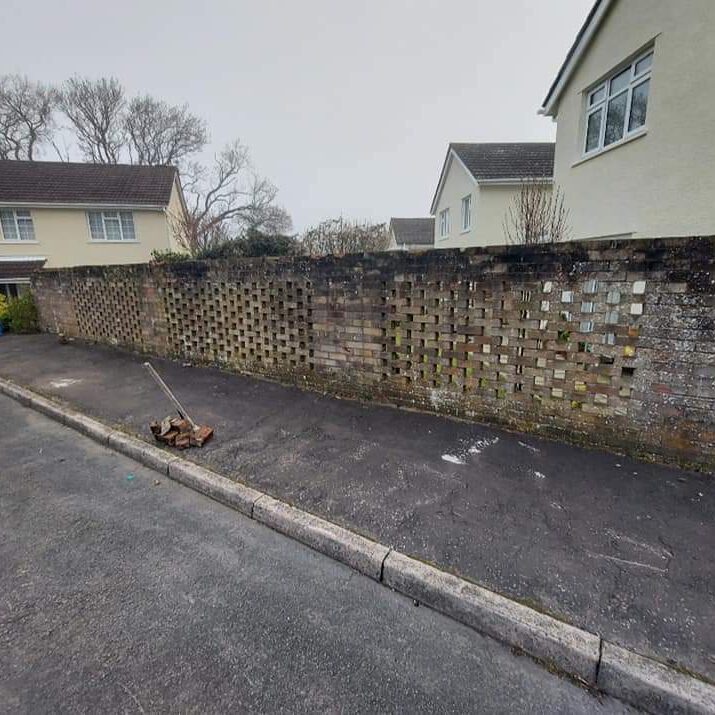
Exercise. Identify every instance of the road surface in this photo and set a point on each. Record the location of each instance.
(121, 591)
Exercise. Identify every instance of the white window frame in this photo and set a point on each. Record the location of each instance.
(26, 217)
(444, 223)
(466, 214)
(105, 214)
(601, 105)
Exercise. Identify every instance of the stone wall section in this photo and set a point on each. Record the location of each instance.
(602, 343)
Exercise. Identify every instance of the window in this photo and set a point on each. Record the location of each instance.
(111, 225)
(617, 107)
(17, 225)
(444, 223)
(467, 213)
(16, 289)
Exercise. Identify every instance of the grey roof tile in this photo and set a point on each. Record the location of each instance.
(68, 183)
(413, 231)
(519, 160)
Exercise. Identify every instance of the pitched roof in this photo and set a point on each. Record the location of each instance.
(518, 160)
(500, 162)
(19, 266)
(413, 231)
(49, 182)
(583, 39)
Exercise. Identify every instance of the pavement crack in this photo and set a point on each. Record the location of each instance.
(600, 659)
(382, 565)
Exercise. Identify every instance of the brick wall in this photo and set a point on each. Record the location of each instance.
(601, 343)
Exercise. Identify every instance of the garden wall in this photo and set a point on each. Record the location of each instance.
(601, 343)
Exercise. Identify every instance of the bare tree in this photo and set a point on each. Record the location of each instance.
(225, 201)
(339, 237)
(537, 215)
(96, 110)
(161, 134)
(26, 116)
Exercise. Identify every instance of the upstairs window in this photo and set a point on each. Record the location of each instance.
(444, 223)
(618, 106)
(467, 213)
(111, 225)
(17, 225)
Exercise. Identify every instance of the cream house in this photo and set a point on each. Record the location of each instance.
(477, 186)
(57, 214)
(635, 112)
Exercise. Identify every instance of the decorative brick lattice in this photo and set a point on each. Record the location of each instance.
(261, 324)
(603, 342)
(109, 311)
(536, 341)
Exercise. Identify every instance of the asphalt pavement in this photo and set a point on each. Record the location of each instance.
(121, 591)
(615, 546)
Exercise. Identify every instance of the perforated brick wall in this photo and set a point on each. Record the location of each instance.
(603, 343)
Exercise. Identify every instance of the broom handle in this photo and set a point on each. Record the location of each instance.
(182, 412)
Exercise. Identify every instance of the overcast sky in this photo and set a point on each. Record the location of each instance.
(346, 105)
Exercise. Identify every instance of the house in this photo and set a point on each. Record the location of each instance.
(477, 186)
(411, 234)
(633, 103)
(58, 214)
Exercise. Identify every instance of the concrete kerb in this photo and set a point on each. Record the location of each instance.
(633, 678)
(356, 551)
(651, 685)
(571, 649)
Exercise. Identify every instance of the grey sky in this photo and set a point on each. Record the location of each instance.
(346, 106)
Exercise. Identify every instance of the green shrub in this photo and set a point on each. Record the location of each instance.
(22, 314)
(169, 257)
(3, 309)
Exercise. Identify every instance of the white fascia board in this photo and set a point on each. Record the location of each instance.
(97, 206)
(516, 181)
(451, 154)
(20, 259)
(549, 106)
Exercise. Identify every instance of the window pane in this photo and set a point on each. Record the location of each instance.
(615, 119)
(593, 130)
(466, 212)
(7, 220)
(620, 81)
(111, 227)
(644, 64)
(597, 95)
(96, 227)
(25, 227)
(127, 225)
(639, 105)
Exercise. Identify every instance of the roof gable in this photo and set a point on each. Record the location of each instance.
(499, 162)
(413, 231)
(573, 57)
(47, 182)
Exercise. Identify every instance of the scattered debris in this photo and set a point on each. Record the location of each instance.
(180, 432)
(481, 444)
(452, 459)
(539, 475)
(64, 382)
(157, 482)
(130, 477)
(530, 447)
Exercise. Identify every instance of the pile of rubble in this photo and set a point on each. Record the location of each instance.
(178, 432)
